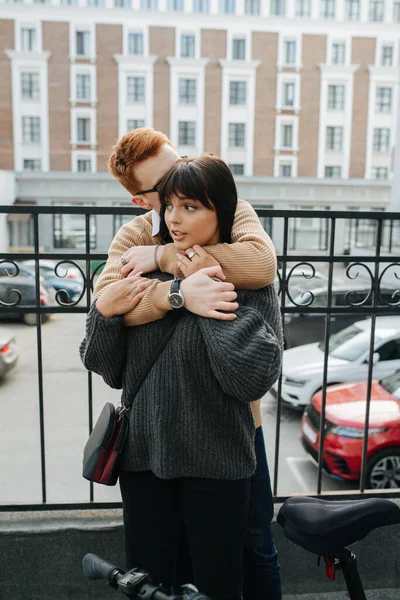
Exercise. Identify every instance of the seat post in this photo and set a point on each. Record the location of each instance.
(348, 564)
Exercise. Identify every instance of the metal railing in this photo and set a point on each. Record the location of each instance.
(374, 264)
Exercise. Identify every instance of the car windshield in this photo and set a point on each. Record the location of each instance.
(349, 344)
(392, 384)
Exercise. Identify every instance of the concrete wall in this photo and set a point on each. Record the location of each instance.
(7, 198)
(42, 553)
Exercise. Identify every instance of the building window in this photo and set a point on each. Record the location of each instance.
(227, 6)
(28, 39)
(381, 139)
(334, 138)
(84, 165)
(277, 8)
(396, 12)
(148, 4)
(135, 87)
(236, 169)
(187, 133)
(352, 10)
(333, 172)
(238, 49)
(187, 91)
(30, 86)
(97, 3)
(328, 9)
(30, 129)
(379, 173)
(287, 136)
(122, 4)
(285, 170)
(70, 231)
(252, 7)
(303, 8)
(336, 97)
(376, 10)
(32, 164)
(338, 53)
(83, 129)
(201, 6)
(134, 124)
(288, 94)
(290, 52)
(175, 5)
(135, 44)
(237, 135)
(83, 87)
(82, 43)
(68, 2)
(383, 99)
(387, 56)
(237, 93)
(187, 46)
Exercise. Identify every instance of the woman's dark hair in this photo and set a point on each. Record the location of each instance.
(208, 180)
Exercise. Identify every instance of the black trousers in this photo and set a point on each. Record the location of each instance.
(214, 515)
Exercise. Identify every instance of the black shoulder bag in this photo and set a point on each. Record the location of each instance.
(102, 452)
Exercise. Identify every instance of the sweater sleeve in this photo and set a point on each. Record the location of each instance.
(135, 233)
(246, 354)
(103, 349)
(249, 262)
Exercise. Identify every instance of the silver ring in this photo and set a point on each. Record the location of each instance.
(191, 254)
(136, 290)
(123, 261)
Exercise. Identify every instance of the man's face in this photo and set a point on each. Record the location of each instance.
(149, 172)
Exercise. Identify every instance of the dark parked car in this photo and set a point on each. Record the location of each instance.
(305, 328)
(11, 287)
(69, 290)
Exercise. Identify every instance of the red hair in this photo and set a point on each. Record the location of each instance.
(130, 150)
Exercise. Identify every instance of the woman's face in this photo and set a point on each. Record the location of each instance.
(190, 222)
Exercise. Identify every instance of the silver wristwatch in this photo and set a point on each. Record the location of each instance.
(175, 295)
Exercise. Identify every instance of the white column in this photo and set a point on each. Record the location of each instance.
(395, 192)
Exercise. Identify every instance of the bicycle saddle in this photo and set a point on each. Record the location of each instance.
(326, 527)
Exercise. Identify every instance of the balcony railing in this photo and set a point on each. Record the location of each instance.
(337, 280)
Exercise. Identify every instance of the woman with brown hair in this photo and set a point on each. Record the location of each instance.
(190, 448)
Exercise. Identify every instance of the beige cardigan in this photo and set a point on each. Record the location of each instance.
(249, 262)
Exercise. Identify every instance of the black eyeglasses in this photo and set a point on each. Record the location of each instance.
(153, 189)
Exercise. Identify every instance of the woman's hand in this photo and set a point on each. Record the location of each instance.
(140, 259)
(200, 260)
(122, 296)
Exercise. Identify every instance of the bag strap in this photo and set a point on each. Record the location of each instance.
(163, 342)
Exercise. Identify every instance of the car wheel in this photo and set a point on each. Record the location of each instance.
(383, 470)
(29, 319)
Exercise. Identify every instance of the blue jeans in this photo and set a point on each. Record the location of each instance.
(261, 568)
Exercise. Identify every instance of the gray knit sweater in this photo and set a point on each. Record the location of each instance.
(191, 417)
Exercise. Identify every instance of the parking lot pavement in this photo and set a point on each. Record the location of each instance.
(65, 410)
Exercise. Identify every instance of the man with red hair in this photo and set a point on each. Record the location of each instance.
(139, 161)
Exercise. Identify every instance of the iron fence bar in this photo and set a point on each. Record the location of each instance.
(127, 210)
(279, 397)
(370, 362)
(326, 359)
(337, 495)
(40, 363)
(89, 373)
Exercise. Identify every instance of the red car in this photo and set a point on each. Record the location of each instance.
(344, 431)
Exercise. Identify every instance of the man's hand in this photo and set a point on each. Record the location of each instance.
(200, 260)
(122, 296)
(206, 297)
(140, 259)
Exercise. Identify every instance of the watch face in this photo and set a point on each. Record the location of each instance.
(176, 300)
